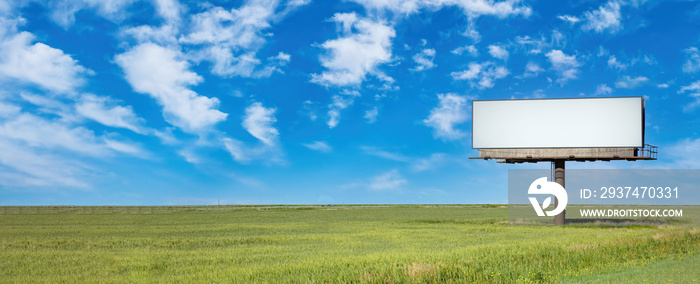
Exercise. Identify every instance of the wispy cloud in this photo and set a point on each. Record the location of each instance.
(692, 62)
(391, 180)
(602, 89)
(371, 115)
(434, 161)
(569, 19)
(424, 60)
(502, 9)
(63, 11)
(532, 70)
(606, 18)
(340, 102)
(481, 75)
(471, 49)
(42, 152)
(693, 92)
(685, 153)
(614, 63)
(321, 146)
(258, 122)
(105, 111)
(627, 82)
(231, 39)
(374, 151)
(533, 45)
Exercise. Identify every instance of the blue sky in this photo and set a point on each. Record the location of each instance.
(284, 102)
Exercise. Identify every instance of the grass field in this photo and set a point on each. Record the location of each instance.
(375, 244)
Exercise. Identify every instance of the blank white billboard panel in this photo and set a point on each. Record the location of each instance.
(558, 123)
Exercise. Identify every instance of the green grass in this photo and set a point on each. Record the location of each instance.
(375, 244)
(670, 270)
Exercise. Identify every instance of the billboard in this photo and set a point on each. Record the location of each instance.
(558, 123)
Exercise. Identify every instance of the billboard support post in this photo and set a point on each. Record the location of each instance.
(559, 177)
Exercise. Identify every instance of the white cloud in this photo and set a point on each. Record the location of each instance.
(310, 108)
(481, 75)
(533, 46)
(281, 57)
(237, 149)
(628, 82)
(569, 19)
(614, 63)
(53, 106)
(125, 147)
(694, 92)
(38, 132)
(8, 110)
(363, 46)
(340, 102)
(28, 167)
(258, 122)
(532, 69)
(606, 17)
(245, 154)
(469, 74)
(685, 153)
(649, 60)
(434, 161)
(538, 94)
(602, 89)
(662, 86)
(170, 10)
(693, 87)
(63, 11)
(39, 64)
(371, 115)
(565, 65)
(390, 180)
(231, 39)
(224, 32)
(500, 9)
(424, 59)
(498, 52)
(558, 39)
(190, 156)
(162, 74)
(164, 35)
(320, 146)
(692, 63)
(43, 152)
(450, 112)
(472, 8)
(105, 111)
(471, 31)
(471, 49)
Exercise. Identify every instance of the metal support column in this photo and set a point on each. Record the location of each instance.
(559, 178)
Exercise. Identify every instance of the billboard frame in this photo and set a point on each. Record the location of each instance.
(642, 126)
